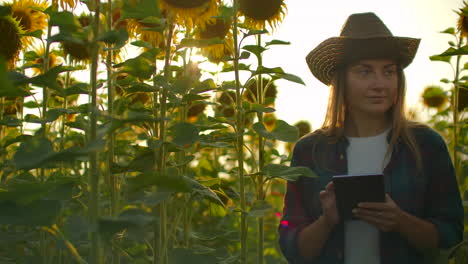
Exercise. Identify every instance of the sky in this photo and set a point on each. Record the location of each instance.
(308, 23)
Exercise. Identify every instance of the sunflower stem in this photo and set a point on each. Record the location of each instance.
(456, 90)
(93, 157)
(240, 141)
(113, 180)
(261, 159)
(163, 242)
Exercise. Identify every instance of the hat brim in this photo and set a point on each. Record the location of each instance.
(339, 51)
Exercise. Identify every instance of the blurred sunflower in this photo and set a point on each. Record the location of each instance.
(269, 119)
(190, 12)
(67, 3)
(216, 28)
(462, 24)
(10, 42)
(250, 93)
(434, 96)
(30, 19)
(80, 52)
(226, 104)
(258, 13)
(54, 60)
(304, 128)
(138, 30)
(194, 110)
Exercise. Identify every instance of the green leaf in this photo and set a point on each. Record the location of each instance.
(255, 49)
(455, 52)
(440, 58)
(203, 191)
(5, 10)
(170, 180)
(185, 255)
(289, 77)
(10, 121)
(114, 37)
(184, 134)
(7, 87)
(36, 34)
(255, 32)
(33, 153)
(277, 42)
(37, 213)
(78, 88)
(282, 131)
(449, 30)
(287, 173)
(260, 208)
(140, 9)
(252, 107)
(141, 44)
(133, 221)
(139, 67)
(64, 20)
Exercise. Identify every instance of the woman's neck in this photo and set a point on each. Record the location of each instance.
(367, 126)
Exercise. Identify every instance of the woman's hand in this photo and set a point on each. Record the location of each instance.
(328, 201)
(385, 216)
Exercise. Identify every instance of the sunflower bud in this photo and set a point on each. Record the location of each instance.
(434, 96)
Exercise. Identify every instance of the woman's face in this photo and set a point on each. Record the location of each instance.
(371, 87)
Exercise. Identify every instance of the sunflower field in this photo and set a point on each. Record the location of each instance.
(144, 131)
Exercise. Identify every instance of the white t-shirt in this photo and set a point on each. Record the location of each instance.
(365, 155)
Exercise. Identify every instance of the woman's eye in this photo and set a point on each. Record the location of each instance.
(390, 72)
(364, 72)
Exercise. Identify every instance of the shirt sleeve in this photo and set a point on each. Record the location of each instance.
(295, 217)
(444, 207)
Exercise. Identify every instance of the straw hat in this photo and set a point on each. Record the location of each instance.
(363, 36)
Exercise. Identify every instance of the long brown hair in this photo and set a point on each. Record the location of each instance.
(333, 126)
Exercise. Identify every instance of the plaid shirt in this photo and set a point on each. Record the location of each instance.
(433, 197)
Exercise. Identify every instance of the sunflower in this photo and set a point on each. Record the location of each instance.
(80, 52)
(434, 96)
(26, 12)
(250, 93)
(195, 110)
(226, 104)
(138, 30)
(304, 128)
(67, 3)
(462, 24)
(216, 28)
(258, 13)
(54, 60)
(10, 42)
(189, 12)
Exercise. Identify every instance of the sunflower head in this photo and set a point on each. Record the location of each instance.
(195, 110)
(38, 68)
(64, 4)
(269, 119)
(226, 104)
(216, 28)
(189, 12)
(303, 127)
(259, 13)
(269, 88)
(10, 42)
(79, 52)
(26, 12)
(434, 96)
(462, 23)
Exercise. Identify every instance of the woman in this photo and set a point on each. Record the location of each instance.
(365, 131)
